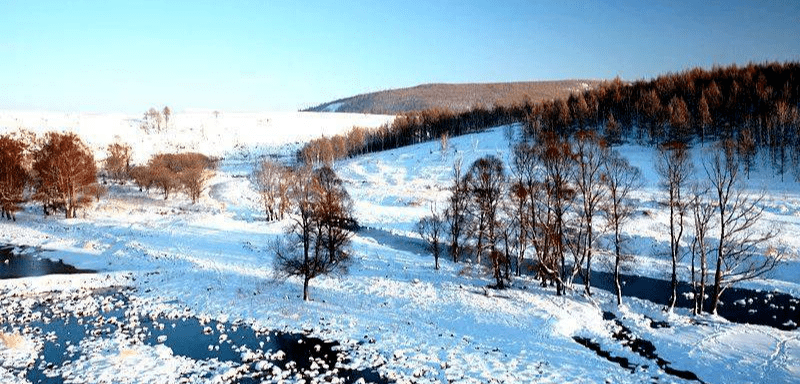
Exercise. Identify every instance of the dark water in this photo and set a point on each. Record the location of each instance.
(739, 305)
(637, 345)
(15, 266)
(186, 336)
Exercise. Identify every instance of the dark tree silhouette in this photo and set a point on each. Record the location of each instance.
(431, 228)
(317, 240)
(485, 181)
(456, 213)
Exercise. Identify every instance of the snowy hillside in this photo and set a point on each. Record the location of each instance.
(213, 133)
(393, 312)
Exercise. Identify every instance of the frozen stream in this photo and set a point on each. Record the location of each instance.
(71, 330)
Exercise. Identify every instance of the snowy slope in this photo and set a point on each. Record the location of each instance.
(215, 134)
(395, 311)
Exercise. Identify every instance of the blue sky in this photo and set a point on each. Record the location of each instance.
(115, 56)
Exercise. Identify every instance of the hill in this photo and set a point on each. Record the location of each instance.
(455, 97)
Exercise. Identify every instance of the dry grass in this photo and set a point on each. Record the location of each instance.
(458, 97)
(12, 340)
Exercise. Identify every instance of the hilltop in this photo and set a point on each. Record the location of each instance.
(455, 97)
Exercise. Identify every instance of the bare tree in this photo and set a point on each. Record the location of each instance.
(142, 176)
(160, 173)
(66, 173)
(517, 224)
(430, 228)
(152, 120)
(526, 193)
(334, 212)
(620, 180)
(674, 167)
(456, 213)
(310, 249)
(485, 181)
(743, 252)
(170, 171)
(590, 154)
(118, 163)
(289, 261)
(703, 212)
(167, 113)
(558, 165)
(13, 176)
(269, 178)
(194, 181)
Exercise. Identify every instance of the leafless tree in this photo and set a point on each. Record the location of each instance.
(170, 171)
(743, 252)
(526, 193)
(152, 120)
(13, 176)
(310, 249)
(289, 261)
(270, 177)
(194, 181)
(485, 181)
(590, 154)
(167, 113)
(456, 213)
(334, 212)
(431, 228)
(620, 180)
(66, 174)
(118, 163)
(703, 212)
(674, 167)
(142, 176)
(161, 174)
(558, 166)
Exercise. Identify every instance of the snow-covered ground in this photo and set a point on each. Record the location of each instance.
(395, 312)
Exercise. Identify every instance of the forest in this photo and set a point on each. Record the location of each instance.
(756, 106)
(567, 184)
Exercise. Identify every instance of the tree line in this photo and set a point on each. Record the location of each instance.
(59, 171)
(546, 213)
(155, 120)
(756, 106)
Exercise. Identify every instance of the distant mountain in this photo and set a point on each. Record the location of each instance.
(456, 97)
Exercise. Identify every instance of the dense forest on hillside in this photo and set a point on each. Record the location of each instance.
(454, 97)
(755, 106)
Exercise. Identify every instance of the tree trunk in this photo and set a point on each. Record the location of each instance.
(589, 260)
(616, 264)
(703, 271)
(674, 253)
(306, 279)
(720, 258)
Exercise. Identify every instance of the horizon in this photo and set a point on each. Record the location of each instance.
(94, 57)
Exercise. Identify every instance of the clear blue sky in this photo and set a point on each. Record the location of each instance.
(115, 56)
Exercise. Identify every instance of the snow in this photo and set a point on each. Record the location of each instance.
(393, 311)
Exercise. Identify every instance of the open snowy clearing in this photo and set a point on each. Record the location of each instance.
(393, 311)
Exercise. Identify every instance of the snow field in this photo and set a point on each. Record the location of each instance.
(393, 311)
